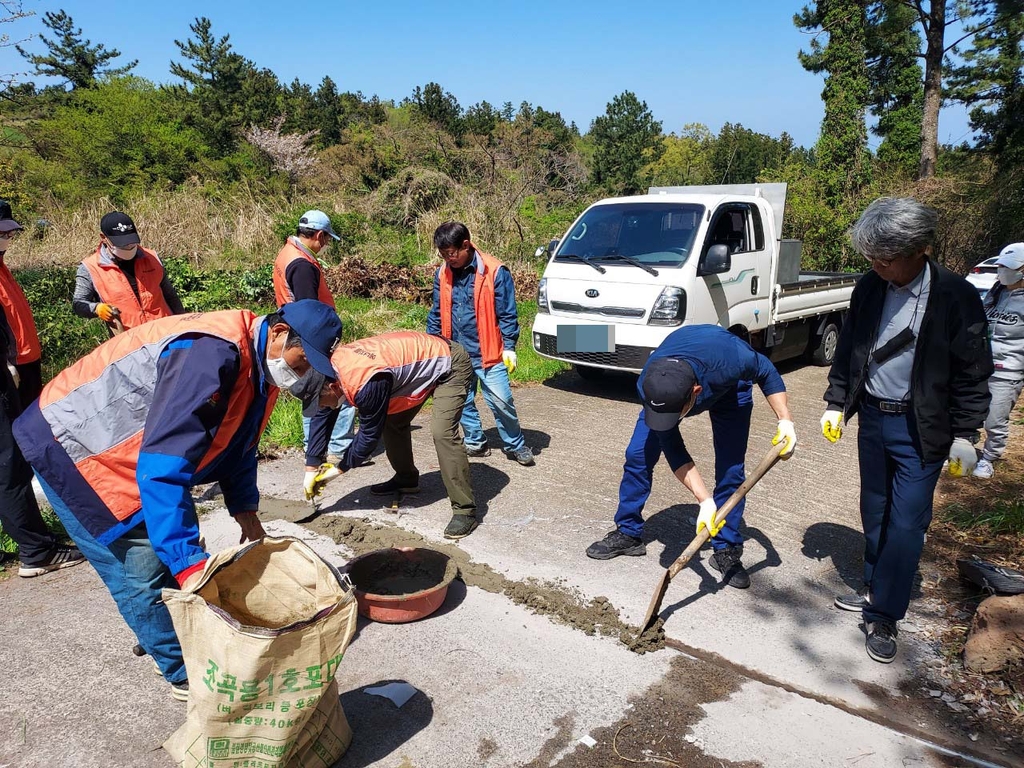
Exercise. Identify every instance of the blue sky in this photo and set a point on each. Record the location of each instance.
(708, 62)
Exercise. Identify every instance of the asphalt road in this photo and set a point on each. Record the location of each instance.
(774, 675)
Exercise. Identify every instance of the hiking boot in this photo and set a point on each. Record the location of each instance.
(460, 526)
(727, 562)
(179, 691)
(854, 601)
(881, 642)
(478, 451)
(61, 557)
(395, 485)
(614, 544)
(524, 456)
(983, 470)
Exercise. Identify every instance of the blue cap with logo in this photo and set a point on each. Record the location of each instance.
(317, 220)
(319, 327)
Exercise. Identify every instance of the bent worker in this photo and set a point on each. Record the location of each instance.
(914, 361)
(387, 378)
(697, 369)
(119, 438)
(475, 305)
(28, 351)
(298, 275)
(121, 282)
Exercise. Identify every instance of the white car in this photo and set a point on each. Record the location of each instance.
(983, 276)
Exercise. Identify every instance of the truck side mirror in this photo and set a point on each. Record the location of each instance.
(547, 250)
(716, 261)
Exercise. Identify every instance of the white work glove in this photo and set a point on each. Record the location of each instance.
(316, 480)
(508, 357)
(786, 432)
(706, 518)
(962, 458)
(832, 425)
(14, 375)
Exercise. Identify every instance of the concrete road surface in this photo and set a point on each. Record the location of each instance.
(771, 676)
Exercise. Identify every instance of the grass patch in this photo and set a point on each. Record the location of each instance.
(1003, 516)
(532, 367)
(10, 546)
(284, 430)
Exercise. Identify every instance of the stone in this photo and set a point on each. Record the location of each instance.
(997, 634)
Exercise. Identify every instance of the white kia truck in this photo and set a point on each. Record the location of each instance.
(631, 270)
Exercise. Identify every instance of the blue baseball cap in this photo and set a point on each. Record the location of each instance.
(319, 327)
(317, 220)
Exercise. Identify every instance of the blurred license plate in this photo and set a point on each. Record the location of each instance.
(585, 338)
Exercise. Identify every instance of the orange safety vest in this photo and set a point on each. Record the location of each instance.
(282, 291)
(97, 408)
(114, 289)
(416, 361)
(491, 344)
(19, 317)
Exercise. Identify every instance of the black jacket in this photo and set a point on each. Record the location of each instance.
(949, 382)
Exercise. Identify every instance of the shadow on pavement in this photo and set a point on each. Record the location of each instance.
(841, 544)
(487, 481)
(378, 726)
(535, 439)
(612, 385)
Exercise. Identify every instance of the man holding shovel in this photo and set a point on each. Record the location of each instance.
(697, 369)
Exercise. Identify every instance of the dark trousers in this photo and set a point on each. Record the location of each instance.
(31, 375)
(19, 513)
(730, 428)
(896, 489)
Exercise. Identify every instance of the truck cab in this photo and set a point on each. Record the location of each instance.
(633, 269)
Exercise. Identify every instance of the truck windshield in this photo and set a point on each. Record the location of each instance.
(654, 234)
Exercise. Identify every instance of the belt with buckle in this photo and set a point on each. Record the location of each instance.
(887, 406)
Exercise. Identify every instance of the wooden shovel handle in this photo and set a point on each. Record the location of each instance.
(769, 460)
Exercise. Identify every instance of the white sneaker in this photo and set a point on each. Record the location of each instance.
(983, 469)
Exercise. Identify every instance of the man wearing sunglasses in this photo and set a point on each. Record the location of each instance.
(914, 361)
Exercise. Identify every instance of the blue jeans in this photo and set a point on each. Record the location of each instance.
(730, 427)
(135, 576)
(344, 429)
(498, 395)
(896, 490)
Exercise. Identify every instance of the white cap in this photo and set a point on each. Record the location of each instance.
(1012, 256)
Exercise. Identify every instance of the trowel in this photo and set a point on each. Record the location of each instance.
(702, 536)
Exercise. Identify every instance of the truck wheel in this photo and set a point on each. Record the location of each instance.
(825, 352)
(587, 373)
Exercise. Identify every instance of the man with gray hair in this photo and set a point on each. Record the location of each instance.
(914, 361)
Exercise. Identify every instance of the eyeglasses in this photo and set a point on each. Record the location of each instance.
(12, 235)
(450, 254)
(882, 262)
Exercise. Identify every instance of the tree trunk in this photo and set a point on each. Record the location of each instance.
(935, 34)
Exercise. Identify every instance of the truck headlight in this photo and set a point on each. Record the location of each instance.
(542, 295)
(670, 308)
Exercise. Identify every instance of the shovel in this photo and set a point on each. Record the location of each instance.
(767, 463)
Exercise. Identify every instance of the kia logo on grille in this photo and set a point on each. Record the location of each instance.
(592, 293)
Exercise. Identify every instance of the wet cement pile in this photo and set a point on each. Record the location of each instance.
(557, 601)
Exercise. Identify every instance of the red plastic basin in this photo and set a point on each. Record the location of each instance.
(395, 586)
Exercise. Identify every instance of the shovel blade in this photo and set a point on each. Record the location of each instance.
(655, 607)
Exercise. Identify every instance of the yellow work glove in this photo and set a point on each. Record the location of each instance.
(316, 480)
(832, 425)
(508, 357)
(962, 458)
(786, 432)
(107, 313)
(15, 376)
(706, 518)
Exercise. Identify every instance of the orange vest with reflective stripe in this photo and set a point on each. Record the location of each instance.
(113, 287)
(416, 361)
(19, 317)
(491, 344)
(282, 291)
(97, 408)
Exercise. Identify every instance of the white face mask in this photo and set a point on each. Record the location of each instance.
(1008, 276)
(124, 254)
(281, 373)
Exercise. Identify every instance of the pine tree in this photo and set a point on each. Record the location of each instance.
(897, 90)
(626, 139)
(76, 62)
(842, 161)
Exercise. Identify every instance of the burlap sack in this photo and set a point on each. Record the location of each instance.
(263, 634)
